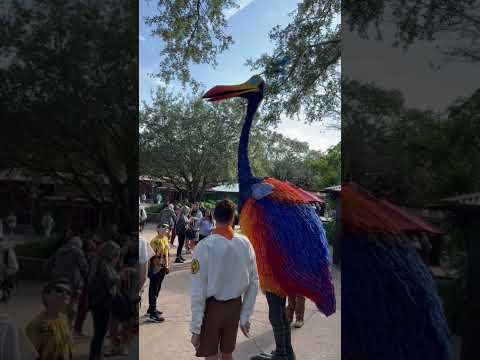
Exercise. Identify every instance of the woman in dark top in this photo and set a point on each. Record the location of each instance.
(103, 286)
(206, 225)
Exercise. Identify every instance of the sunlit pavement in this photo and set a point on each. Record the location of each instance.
(318, 339)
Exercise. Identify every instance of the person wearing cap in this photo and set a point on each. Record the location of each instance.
(50, 331)
(168, 216)
(69, 262)
(223, 271)
(158, 268)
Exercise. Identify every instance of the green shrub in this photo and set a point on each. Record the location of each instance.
(38, 249)
(209, 204)
(155, 209)
(330, 228)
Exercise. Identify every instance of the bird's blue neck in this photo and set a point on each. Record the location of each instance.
(245, 174)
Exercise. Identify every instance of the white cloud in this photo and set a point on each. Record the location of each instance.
(317, 135)
(241, 5)
(141, 37)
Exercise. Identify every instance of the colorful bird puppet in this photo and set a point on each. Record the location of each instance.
(390, 308)
(285, 231)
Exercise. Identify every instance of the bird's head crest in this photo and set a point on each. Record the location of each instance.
(253, 86)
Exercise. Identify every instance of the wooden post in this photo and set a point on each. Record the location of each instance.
(337, 251)
(471, 326)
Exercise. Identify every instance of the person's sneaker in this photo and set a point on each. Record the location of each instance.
(116, 351)
(298, 324)
(122, 351)
(262, 356)
(156, 318)
(156, 312)
(109, 352)
(178, 261)
(79, 335)
(181, 258)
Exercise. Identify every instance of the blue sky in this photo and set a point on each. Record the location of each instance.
(249, 26)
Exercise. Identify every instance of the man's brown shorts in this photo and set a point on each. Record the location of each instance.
(220, 327)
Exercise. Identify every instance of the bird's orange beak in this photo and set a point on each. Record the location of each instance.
(221, 92)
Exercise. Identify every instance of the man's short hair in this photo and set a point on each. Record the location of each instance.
(224, 211)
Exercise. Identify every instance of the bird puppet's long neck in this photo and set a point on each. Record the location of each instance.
(244, 170)
(245, 175)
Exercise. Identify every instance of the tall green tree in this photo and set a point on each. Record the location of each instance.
(426, 155)
(420, 20)
(302, 72)
(188, 142)
(66, 126)
(193, 32)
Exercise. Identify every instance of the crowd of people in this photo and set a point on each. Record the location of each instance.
(188, 225)
(224, 277)
(89, 273)
(104, 274)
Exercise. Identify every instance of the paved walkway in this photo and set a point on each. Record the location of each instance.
(319, 339)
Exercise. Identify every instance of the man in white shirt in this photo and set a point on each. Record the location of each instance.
(145, 253)
(223, 270)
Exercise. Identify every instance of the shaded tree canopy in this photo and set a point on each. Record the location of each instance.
(420, 20)
(80, 129)
(426, 155)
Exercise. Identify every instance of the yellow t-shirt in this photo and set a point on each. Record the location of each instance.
(52, 338)
(160, 245)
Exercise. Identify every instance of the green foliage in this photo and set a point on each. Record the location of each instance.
(59, 116)
(155, 209)
(189, 142)
(303, 73)
(426, 155)
(291, 160)
(39, 249)
(209, 204)
(420, 20)
(193, 32)
(192, 145)
(330, 231)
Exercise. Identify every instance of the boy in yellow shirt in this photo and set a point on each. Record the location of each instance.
(161, 242)
(50, 332)
(158, 268)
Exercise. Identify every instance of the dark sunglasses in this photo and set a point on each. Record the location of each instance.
(61, 291)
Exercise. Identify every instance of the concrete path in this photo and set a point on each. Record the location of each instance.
(319, 339)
